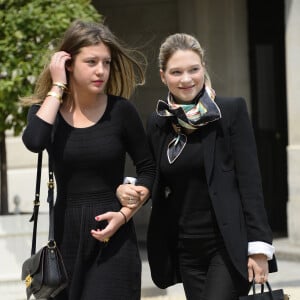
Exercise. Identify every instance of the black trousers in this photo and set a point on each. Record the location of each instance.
(207, 272)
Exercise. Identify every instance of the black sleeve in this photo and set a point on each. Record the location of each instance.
(137, 146)
(149, 131)
(248, 174)
(37, 134)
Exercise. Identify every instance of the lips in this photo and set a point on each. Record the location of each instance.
(186, 87)
(98, 82)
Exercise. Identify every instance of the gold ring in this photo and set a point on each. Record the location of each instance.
(130, 200)
(106, 240)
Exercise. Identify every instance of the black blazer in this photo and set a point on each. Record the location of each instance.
(234, 184)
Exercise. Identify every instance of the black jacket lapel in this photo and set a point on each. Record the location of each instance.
(209, 142)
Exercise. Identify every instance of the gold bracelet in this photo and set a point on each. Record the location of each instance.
(61, 85)
(55, 95)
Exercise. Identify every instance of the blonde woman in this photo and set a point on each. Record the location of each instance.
(208, 226)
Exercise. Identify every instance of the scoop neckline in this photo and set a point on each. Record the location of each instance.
(91, 126)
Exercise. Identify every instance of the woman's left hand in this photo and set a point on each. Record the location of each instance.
(114, 221)
(258, 268)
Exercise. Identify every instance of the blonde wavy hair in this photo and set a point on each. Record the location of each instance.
(181, 41)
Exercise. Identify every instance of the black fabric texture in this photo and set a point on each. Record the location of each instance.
(88, 166)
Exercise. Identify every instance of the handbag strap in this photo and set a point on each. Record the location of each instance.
(262, 288)
(50, 200)
(36, 202)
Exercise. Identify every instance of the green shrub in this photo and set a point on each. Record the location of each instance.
(26, 31)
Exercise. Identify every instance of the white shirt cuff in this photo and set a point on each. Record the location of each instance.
(261, 248)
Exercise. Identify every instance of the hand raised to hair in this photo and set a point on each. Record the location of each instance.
(57, 66)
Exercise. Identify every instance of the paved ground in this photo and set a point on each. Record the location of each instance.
(288, 277)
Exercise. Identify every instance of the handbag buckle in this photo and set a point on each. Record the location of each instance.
(28, 280)
(51, 184)
(36, 203)
(51, 244)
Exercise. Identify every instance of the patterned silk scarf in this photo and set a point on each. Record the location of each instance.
(203, 110)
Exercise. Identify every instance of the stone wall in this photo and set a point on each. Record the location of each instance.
(146, 23)
(292, 13)
(15, 247)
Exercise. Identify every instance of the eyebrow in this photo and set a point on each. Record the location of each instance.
(191, 66)
(97, 57)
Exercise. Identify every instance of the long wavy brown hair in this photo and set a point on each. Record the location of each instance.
(127, 65)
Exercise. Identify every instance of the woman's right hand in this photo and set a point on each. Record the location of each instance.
(128, 195)
(49, 108)
(57, 66)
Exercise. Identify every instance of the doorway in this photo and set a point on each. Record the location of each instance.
(269, 112)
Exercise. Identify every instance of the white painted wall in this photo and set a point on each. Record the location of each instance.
(292, 13)
(15, 247)
(22, 175)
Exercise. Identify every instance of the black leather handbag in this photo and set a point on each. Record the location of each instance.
(265, 295)
(44, 272)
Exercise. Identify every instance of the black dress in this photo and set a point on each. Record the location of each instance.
(89, 165)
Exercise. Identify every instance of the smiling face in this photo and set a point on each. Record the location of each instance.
(184, 75)
(90, 69)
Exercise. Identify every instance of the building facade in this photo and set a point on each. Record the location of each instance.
(252, 50)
